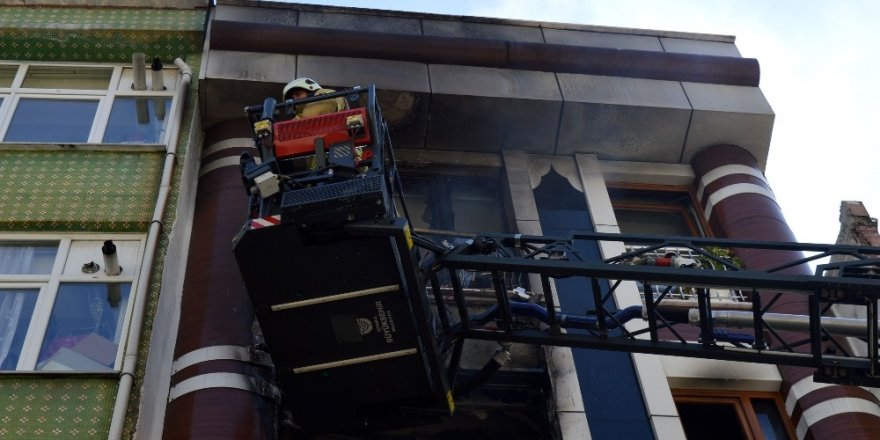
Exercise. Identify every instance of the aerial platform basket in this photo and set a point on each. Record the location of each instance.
(346, 322)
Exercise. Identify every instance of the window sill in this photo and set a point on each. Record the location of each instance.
(56, 374)
(41, 146)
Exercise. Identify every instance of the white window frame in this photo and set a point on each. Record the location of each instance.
(16, 98)
(49, 284)
(105, 98)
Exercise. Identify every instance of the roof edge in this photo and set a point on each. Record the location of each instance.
(489, 20)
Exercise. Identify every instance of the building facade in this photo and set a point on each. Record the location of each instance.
(93, 150)
(497, 125)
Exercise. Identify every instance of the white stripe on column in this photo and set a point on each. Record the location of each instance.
(227, 144)
(726, 170)
(219, 163)
(732, 190)
(801, 389)
(833, 407)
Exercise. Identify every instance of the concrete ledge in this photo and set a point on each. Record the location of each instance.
(729, 114)
(601, 39)
(623, 118)
(720, 375)
(250, 66)
(650, 173)
(470, 29)
(493, 82)
(347, 72)
(682, 45)
(472, 123)
(287, 17)
(618, 132)
(488, 109)
(359, 22)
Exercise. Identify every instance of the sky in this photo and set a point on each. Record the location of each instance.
(819, 62)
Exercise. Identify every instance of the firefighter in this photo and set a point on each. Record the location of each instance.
(305, 87)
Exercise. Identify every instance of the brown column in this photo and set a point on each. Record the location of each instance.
(210, 395)
(738, 203)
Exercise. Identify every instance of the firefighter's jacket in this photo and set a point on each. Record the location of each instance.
(321, 107)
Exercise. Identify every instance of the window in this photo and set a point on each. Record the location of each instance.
(7, 74)
(655, 210)
(16, 309)
(441, 206)
(733, 415)
(43, 103)
(668, 211)
(137, 120)
(58, 310)
(684, 292)
(52, 120)
(67, 77)
(454, 203)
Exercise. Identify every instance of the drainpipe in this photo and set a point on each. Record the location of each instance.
(129, 361)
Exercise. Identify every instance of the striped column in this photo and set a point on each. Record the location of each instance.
(739, 203)
(219, 387)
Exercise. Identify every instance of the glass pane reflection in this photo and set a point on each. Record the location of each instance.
(141, 120)
(68, 77)
(16, 308)
(85, 327)
(27, 258)
(52, 120)
(7, 74)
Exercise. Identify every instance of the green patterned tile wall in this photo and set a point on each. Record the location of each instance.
(98, 34)
(55, 408)
(78, 190)
(73, 190)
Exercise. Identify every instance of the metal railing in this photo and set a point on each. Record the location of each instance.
(756, 334)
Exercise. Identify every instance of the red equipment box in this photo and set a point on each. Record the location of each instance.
(296, 137)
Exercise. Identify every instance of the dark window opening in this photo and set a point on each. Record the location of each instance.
(656, 212)
(454, 203)
(733, 415)
(710, 421)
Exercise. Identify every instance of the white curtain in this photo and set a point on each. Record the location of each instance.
(13, 260)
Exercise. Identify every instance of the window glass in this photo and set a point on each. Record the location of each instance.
(7, 75)
(52, 120)
(454, 203)
(717, 421)
(654, 212)
(137, 120)
(16, 309)
(85, 327)
(659, 222)
(27, 259)
(67, 77)
(769, 419)
(465, 204)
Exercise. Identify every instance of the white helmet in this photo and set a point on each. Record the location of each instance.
(307, 84)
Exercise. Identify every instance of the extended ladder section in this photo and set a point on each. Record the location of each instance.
(682, 313)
